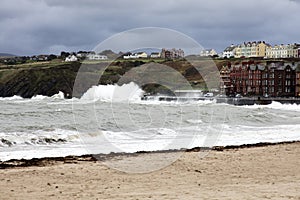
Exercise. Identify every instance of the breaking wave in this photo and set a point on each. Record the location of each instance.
(59, 95)
(127, 92)
(276, 105)
(40, 137)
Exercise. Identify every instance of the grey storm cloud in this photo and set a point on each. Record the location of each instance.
(50, 26)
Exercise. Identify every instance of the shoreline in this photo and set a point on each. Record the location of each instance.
(45, 161)
(264, 171)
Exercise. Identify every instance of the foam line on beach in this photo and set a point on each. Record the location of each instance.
(46, 161)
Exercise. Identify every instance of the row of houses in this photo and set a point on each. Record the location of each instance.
(283, 51)
(141, 55)
(135, 55)
(271, 79)
(262, 49)
(208, 53)
(165, 54)
(94, 56)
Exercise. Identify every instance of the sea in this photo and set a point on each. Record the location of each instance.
(111, 118)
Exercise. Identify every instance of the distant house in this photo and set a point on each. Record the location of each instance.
(208, 52)
(42, 57)
(135, 55)
(126, 55)
(155, 55)
(172, 53)
(96, 57)
(34, 58)
(81, 54)
(71, 58)
(130, 56)
(229, 52)
(142, 55)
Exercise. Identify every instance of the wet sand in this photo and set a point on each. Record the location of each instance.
(264, 172)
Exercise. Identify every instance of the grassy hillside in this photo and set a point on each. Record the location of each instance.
(48, 78)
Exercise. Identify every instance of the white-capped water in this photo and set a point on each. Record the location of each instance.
(113, 118)
(277, 105)
(128, 92)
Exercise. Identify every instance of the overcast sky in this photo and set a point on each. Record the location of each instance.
(49, 26)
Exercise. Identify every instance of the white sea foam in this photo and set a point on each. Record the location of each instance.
(18, 99)
(127, 92)
(276, 105)
(15, 97)
(28, 152)
(39, 97)
(189, 137)
(142, 140)
(239, 135)
(23, 140)
(39, 137)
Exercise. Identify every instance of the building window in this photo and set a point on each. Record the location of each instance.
(272, 82)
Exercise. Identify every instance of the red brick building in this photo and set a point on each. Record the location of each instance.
(275, 79)
(297, 90)
(226, 86)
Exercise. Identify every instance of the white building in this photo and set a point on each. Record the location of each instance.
(136, 55)
(96, 57)
(155, 55)
(283, 51)
(229, 52)
(142, 55)
(71, 58)
(208, 52)
(131, 56)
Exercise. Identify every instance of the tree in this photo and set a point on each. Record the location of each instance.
(64, 54)
(52, 56)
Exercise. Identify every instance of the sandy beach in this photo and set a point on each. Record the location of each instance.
(267, 172)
